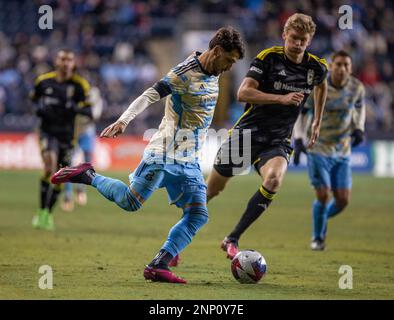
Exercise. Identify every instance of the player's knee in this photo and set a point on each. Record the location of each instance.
(323, 198)
(197, 218)
(48, 170)
(323, 195)
(213, 192)
(341, 202)
(272, 182)
(129, 202)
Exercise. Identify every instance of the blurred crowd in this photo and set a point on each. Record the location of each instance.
(110, 39)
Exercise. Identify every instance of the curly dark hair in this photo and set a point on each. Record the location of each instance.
(229, 39)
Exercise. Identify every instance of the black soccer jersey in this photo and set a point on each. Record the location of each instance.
(276, 74)
(59, 102)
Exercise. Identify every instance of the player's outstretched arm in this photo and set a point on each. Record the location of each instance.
(149, 97)
(320, 95)
(249, 92)
(113, 130)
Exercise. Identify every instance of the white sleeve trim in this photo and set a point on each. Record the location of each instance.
(149, 97)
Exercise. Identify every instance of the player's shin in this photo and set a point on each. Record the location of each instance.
(332, 209)
(256, 206)
(44, 189)
(319, 219)
(56, 190)
(116, 191)
(183, 232)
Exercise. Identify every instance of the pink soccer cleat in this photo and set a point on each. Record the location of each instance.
(231, 247)
(161, 275)
(174, 261)
(82, 173)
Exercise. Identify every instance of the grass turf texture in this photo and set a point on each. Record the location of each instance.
(99, 252)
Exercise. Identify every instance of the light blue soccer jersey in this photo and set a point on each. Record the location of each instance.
(344, 111)
(188, 113)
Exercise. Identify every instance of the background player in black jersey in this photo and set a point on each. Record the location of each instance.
(59, 96)
(275, 88)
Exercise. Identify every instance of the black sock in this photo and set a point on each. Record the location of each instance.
(54, 196)
(256, 206)
(87, 177)
(44, 188)
(161, 260)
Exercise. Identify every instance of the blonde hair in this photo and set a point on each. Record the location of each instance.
(300, 22)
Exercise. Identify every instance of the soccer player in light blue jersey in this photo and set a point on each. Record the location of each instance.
(171, 159)
(329, 158)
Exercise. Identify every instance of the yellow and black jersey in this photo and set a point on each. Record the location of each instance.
(59, 102)
(276, 74)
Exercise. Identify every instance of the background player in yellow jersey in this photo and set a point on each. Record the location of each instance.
(275, 88)
(329, 158)
(59, 96)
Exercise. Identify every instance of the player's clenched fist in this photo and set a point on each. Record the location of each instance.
(113, 130)
(293, 98)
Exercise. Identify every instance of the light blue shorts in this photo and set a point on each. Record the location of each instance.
(330, 172)
(184, 182)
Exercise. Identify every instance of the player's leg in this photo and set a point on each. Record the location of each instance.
(68, 201)
(86, 142)
(145, 179)
(319, 174)
(272, 173)
(65, 151)
(49, 159)
(234, 155)
(190, 195)
(68, 190)
(341, 180)
(341, 185)
(82, 198)
(215, 183)
(339, 202)
(230, 159)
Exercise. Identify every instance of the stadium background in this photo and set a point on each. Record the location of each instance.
(123, 47)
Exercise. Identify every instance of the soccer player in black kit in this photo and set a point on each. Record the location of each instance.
(275, 88)
(59, 96)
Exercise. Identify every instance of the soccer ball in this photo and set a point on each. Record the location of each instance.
(248, 266)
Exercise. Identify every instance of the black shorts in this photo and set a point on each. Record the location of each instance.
(237, 154)
(63, 149)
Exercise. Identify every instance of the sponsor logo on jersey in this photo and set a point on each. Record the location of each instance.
(310, 76)
(255, 69)
(278, 85)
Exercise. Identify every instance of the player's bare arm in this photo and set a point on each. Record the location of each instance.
(249, 92)
(320, 95)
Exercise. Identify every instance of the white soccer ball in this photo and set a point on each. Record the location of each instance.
(248, 266)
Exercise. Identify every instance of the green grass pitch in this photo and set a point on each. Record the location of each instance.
(99, 252)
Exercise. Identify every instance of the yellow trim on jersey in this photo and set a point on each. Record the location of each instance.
(83, 82)
(320, 60)
(257, 160)
(240, 118)
(264, 53)
(266, 194)
(45, 76)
